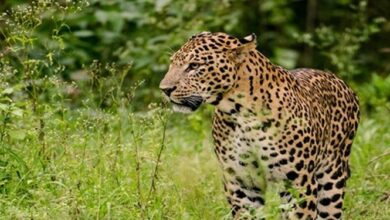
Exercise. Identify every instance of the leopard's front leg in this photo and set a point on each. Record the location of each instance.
(244, 180)
(246, 199)
(300, 198)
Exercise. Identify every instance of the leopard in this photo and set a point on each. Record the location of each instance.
(270, 125)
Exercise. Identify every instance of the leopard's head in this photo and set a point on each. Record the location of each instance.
(204, 69)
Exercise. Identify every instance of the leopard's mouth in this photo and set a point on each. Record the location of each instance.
(188, 104)
(181, 108)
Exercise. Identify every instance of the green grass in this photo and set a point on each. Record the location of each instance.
(368, 192)
(88, 169)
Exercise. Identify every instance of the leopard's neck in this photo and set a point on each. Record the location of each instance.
(258, 84)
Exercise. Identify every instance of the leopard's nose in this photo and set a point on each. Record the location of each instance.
(168, 91)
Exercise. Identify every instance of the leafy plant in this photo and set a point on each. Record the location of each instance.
(341, 47)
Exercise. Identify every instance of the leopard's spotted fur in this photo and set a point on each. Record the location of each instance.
(270, 124)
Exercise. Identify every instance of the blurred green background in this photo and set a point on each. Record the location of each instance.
(84, 133)
(347, 37)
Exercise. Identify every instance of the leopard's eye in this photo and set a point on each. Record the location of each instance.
(193, 66)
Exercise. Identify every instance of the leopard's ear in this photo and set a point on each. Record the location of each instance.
(248, 43)
(250, 39)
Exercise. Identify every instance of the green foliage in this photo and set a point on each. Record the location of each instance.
(367, 195)
(341, 47)
(143, 34)
(376, 94)
(81, 138)
(46, 136)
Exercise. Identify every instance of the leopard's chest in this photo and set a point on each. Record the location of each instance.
(251, 148)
